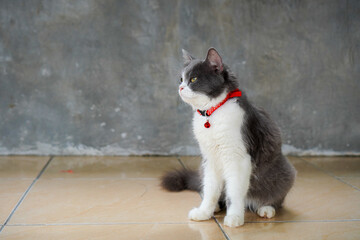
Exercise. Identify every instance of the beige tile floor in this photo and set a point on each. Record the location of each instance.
(120, 198)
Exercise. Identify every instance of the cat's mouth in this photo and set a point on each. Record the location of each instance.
(185, 96)
(188, 95)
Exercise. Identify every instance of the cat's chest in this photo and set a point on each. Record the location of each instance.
(226, 123)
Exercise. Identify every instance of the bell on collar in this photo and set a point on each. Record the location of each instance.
(207, 124)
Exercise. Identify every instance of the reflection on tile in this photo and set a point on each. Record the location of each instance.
(110, 167)
(120, 197)
(21, 166)
(339, 166)
(103, 201)
(11, 191)
(315, 196)
(198, 231)
(125, 231)
(301, 231)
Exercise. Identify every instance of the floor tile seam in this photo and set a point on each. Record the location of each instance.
(109, 223)
(329, 173)
(344, 181)
(306, 221)
(15, 178)
(181, 163)
(221, 228)
(352, 177)
(105, 178)
(25, 193)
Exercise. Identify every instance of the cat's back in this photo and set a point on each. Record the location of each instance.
(260, 131)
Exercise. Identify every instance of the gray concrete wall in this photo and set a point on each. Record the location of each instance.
(99, 77)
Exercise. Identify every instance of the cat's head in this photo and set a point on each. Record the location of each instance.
(204, 83)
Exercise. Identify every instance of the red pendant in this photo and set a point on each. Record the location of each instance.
(207, 124)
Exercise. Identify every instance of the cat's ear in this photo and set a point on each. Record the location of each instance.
(214, 59)
(187, 57)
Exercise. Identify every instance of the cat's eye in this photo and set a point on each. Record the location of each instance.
(193, 79)
(181, 80)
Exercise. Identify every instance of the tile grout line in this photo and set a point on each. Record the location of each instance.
(221, 228)
(25, 193)
(171, 223)
(103, 178)
(104, 223)
(328, 173)
(307, 221)
(181, 163)
(341, 179)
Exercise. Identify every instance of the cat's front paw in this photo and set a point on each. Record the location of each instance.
(233, 220)
(198, 214)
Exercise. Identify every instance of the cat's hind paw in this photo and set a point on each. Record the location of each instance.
(266, 212)
(198, 214)
(234, 220)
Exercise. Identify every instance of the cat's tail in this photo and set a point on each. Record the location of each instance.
(183, 179)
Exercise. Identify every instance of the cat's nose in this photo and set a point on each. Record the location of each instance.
(181, 88)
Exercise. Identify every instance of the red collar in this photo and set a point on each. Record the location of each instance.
(207, 113)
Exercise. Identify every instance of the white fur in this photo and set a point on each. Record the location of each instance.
(266, 212)
(226, 161)
(233, 220)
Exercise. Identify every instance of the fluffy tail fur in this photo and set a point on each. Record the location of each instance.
(183, 179)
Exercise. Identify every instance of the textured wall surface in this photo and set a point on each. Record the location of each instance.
(100, 77)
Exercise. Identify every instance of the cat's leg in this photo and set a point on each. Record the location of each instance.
(266, 211)
(212, 188)
(221, 203)
(217, 208)
(237, 179)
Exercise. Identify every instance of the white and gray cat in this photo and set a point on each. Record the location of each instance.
(243, 166)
